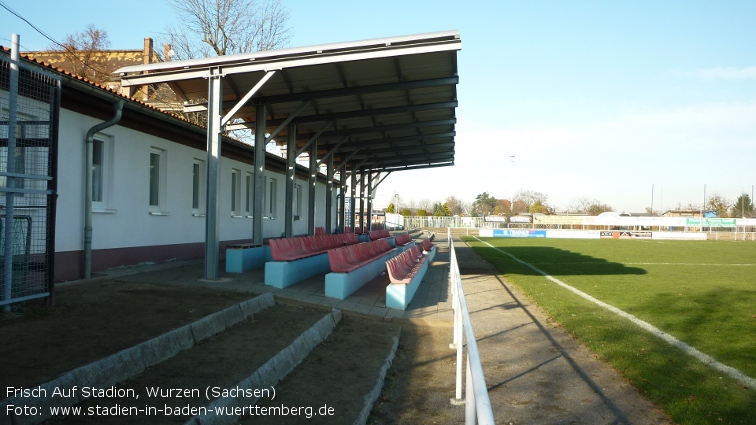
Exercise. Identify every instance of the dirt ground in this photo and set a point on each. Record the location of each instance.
(92, 320)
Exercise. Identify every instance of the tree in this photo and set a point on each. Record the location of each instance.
(438, 210)
(719, 204)
(597, 208)
(390, 208)
(503, 207)
(406, 212)
(224, 27)
(519, 206)
(529, 197)
(447, 210)
(743, 206)
(82, 52)
(425, 204)
(538, 208)
(455, 205)
(422, 213)
(484, 204)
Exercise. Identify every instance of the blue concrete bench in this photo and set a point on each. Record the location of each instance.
(297, 259)
(244, 257)
(355, 265)
(429, 249)
(405, 271)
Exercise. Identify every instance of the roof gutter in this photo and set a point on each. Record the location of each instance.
(89, 161)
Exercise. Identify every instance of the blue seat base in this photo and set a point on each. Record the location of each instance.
(242, 260)
(399, 295)
(341, 285)
(286, 273)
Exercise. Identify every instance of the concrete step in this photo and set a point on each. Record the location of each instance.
(339, 381)
(222, 361)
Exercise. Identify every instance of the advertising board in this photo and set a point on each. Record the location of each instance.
(624, 234)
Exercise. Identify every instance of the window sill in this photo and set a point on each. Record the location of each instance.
(237, 216)
(159, 213)
(105, 211)
(196, 214)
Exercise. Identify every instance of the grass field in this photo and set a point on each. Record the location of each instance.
(701, 292)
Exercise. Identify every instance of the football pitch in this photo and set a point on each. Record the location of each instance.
(609, 293)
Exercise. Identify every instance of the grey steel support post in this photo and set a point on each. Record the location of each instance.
(342, 200)
(362, 199)
(329, 197)
(291, 159)
(370, 200)
(353, 194)
(11, 168)
(312, 182)
(257, 215)
(214, 129)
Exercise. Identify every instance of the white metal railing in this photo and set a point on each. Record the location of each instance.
(477, 403)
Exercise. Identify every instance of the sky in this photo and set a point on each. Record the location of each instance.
(625, 103)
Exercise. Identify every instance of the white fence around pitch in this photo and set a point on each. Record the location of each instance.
(477, 402)
(739, 228)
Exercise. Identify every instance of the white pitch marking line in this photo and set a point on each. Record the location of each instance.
(703, 357)
(654, 264)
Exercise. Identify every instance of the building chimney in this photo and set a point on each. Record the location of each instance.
(167, 52)
(147, 59)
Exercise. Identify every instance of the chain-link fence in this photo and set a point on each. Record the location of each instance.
(29, 108)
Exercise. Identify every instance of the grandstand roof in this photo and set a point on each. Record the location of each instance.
(385, 104)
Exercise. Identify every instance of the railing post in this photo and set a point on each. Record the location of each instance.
(470, 414)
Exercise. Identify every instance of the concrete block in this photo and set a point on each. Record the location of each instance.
(239, 260)
(281, 274)
(337, 315)
(266, 300)
(400, 295)
(267, 374)
(341, 285)
(250, 307)
(232, 315)
(311, 338)
(111, 370)
(325, 327)
(208, 326)
(165, 346)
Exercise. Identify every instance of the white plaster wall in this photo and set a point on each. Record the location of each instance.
(126, 221)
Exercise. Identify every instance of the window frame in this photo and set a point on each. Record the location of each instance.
(158, 207)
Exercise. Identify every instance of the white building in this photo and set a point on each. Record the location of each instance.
(149, 179)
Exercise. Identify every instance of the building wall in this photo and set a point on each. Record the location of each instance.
(126, 229)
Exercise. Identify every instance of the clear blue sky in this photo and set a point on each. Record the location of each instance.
(594, 99)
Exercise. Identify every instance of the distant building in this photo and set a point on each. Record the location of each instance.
(682, 213)
(98, 66)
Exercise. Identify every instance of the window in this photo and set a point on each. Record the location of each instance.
(198, 187)
(157, 181)
(270, 197)
(98, 160)
(102, 173)
(297, 201)
(235, 192)
(250, 194)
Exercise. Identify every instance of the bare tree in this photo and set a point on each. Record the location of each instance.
(581, 205)
(718, 204)
(82, 54)
(597, 208)
(454, 204)
(529, 197)
(425, 204)
(225, 27)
